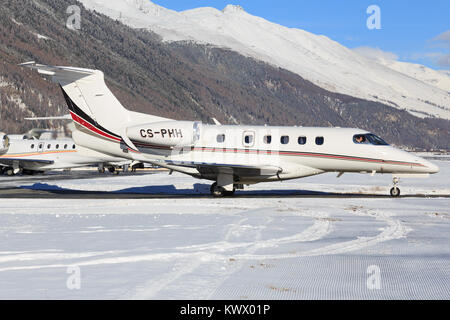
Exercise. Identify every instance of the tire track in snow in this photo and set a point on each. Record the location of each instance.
(44, 255)
(186, 267)
(219, 263)
(318, 230)
(190, 259)
(151, 288)
(219, 271)
(394, 230)
(207, 252)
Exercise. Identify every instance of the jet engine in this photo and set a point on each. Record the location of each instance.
(166, 133)
(4, 142)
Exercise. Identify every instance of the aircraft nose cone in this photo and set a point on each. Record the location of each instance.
(428, 166)
(432, 167)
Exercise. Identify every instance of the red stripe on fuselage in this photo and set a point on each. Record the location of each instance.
(89, 126)
(288, 153)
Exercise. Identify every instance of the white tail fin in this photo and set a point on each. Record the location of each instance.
(90, 101)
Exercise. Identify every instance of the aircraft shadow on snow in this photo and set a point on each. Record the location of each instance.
(170, 191)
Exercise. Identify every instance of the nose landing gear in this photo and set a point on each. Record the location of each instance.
(395, 190)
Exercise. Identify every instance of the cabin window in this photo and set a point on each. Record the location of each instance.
(301, 140)
(57, 146)
(65, 146)
(267, 139)
(319, 141)
(248, 139)
(32, 146)
(220, 138)
(73, 146)
(49, 146)
(284, 139)
(41, 146)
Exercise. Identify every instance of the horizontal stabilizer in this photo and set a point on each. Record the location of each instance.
(64, 117)
(68, 73)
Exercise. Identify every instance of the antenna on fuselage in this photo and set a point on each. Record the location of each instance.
(216, 122)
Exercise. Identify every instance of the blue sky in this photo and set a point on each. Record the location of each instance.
(411, 30)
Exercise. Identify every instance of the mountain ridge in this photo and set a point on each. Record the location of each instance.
(316, 58)
(181, 80)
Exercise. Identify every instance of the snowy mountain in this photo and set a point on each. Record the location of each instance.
(179, 80)
(420, 90)
(437, 78)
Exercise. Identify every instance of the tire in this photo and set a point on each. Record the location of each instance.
(220, 192)
(216, 191)
(395, 192)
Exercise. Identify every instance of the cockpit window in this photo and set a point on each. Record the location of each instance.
(360, 138)
(369, 138)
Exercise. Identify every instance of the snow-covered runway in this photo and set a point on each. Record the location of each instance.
(232, 248)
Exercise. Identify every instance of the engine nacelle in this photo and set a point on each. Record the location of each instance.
(4, 142)
(166, 133)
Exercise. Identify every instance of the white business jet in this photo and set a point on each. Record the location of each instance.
(231, 156)
(31, 156)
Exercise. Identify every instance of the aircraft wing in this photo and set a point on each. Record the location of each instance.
(18, 161)
(239, 170)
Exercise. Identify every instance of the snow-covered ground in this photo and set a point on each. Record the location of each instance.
(266, 247)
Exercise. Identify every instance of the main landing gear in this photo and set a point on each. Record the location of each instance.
(224, 185)
(10, 171)
(220, 192)
(395, 191)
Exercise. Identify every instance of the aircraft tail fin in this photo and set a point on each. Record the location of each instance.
(92, 105)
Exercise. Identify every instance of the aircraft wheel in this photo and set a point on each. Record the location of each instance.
(10, 172)
(112, 170)
(220, 192)
(217, 191)
(395, 192)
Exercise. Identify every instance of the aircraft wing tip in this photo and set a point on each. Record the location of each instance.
(26, 64)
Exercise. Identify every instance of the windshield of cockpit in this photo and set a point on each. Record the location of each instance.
(369, 138)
